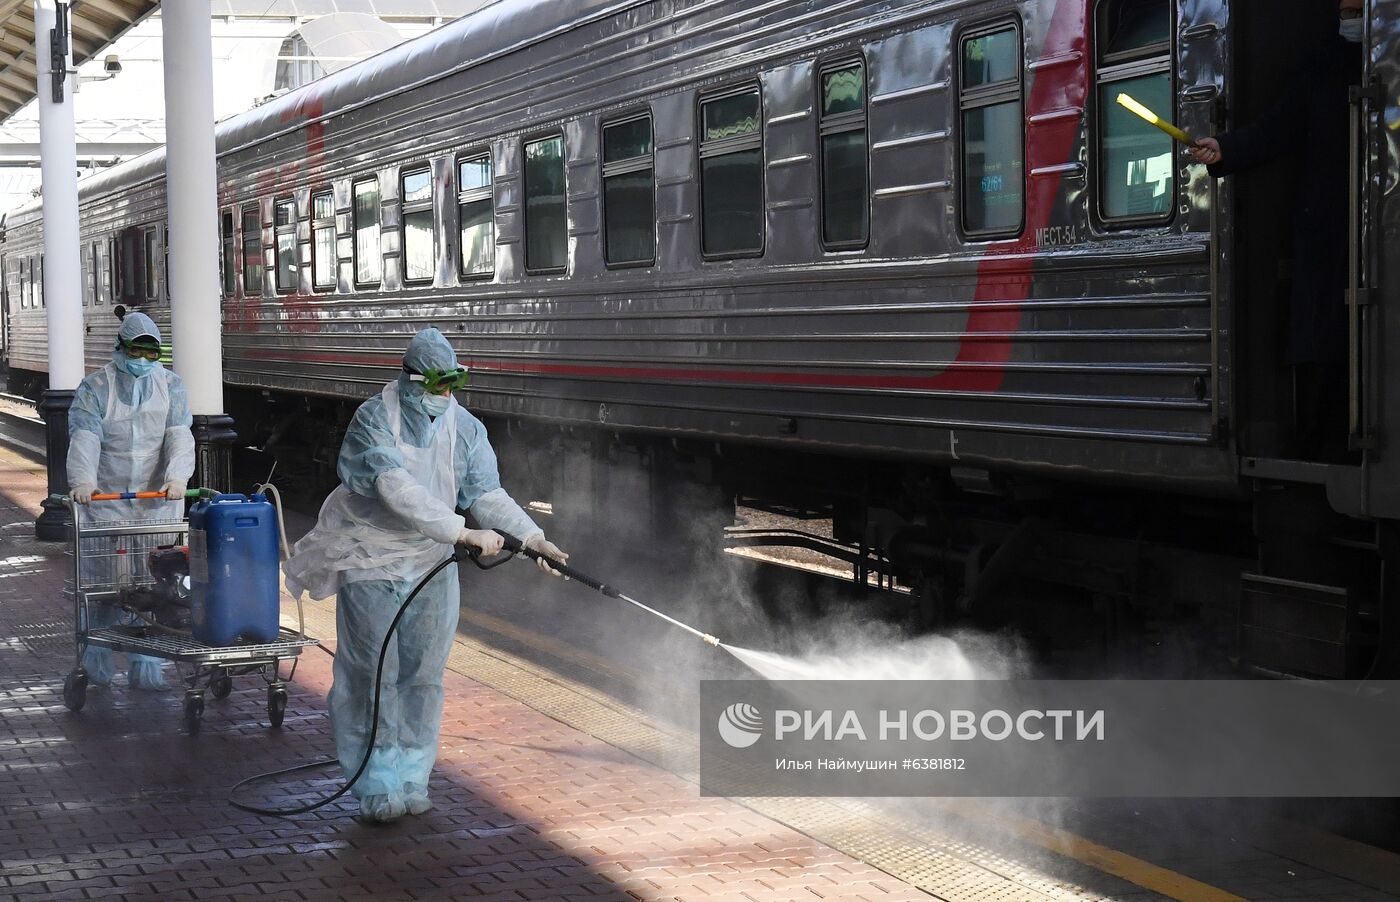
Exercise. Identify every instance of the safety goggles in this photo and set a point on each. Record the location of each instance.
(1351, 13)
(137, 351)
(434, 381)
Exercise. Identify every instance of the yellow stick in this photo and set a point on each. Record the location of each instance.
(1153, 119)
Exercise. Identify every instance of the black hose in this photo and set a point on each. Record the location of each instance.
(513, 546)
(373, 730)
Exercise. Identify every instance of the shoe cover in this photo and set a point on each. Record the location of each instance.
(146, 674)
(98, 664)
(415, 798)
(381, 809)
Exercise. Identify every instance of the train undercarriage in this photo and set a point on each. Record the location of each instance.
(1272, 582)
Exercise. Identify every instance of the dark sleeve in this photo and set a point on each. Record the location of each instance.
(1274, 134)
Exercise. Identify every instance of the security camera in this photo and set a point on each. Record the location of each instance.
(111, 64)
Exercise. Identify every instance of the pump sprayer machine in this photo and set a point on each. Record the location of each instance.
(201, 593)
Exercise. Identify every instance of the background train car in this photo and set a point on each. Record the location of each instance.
(905, 263)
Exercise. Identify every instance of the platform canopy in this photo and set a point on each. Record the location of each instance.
(95, 25)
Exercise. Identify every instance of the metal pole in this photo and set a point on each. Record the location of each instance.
(192, 200)
(58, 159)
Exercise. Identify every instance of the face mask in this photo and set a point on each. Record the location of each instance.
(139, 366)
(1350, 29)
(436, 405)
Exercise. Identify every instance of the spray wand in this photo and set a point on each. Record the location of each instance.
(515, 546)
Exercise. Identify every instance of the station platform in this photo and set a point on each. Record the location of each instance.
(545, 788)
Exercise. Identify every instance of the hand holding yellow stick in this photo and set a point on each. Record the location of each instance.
(1152, 118)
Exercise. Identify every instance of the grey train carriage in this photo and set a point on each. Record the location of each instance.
(904, 262)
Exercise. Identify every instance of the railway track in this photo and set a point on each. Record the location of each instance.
(20, 426)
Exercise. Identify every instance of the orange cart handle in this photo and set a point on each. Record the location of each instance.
(126, 496)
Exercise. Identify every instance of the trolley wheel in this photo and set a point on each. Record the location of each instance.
(75, 689)
(221, 686)
(276, 704)
(194, 712)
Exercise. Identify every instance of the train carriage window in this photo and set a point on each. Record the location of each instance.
(39, 288)
(368, 254)
(107, 273)
(24, 286)
(152, 285)
(227, 267)
(131, 265)
(629, 203)
(285, 229)
(92, 280)
(845, 185)
(252, 252)
(546, 222)
(475, 215)
(419, 254)
(323, 241)
(991, 146)
(1134, 57)
(731, 174)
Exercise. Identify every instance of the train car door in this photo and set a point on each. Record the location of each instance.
(1289, 217)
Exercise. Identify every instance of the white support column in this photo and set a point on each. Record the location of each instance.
(192, 201)
(58, 158)
(191, 191)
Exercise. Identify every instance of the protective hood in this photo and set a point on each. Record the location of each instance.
(429, 350)
(134, 325)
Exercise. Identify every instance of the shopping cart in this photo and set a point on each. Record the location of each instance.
(113, 588)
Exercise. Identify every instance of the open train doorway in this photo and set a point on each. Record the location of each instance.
(1286, 156)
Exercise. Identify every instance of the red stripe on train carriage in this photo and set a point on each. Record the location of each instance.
(1062, 85)
(733, 377)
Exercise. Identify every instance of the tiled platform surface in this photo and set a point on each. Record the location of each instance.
(117, 802)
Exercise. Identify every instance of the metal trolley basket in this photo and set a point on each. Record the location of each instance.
(109, 562)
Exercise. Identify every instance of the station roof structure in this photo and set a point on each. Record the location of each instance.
(95, 25)
(384, 9)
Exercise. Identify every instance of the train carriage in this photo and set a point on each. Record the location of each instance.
(886, 259)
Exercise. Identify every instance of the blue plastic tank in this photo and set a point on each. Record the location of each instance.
(233, 569)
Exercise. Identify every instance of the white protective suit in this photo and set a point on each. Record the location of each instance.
(403, 473)
(128, 433)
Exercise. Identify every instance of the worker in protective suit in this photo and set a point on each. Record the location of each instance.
(128, 431)
(411, 457)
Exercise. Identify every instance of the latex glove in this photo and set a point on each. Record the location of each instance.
(488, 541)
(174, 490)
(82, 493)
(546, 549)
